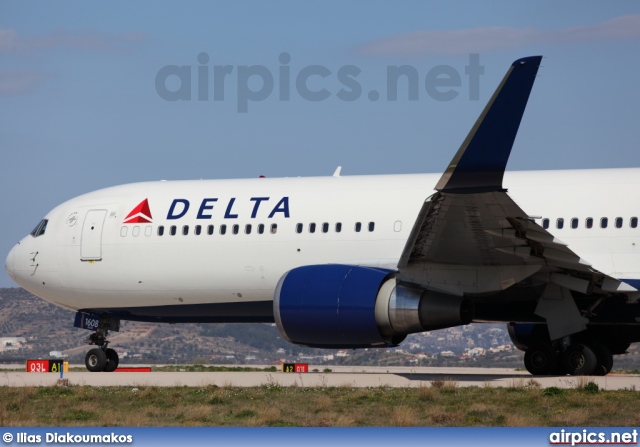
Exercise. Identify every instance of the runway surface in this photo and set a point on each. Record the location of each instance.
(360, 377)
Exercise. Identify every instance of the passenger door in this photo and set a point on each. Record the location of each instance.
(91, 242)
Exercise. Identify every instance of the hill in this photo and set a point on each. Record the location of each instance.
(32, 328)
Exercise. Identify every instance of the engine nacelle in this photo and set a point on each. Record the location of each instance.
(525, 335)
(344, 306)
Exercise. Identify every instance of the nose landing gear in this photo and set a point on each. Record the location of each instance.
(100, 358)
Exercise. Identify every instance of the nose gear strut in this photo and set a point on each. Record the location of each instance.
(100, 358)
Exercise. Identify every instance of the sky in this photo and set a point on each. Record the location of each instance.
(99, 94)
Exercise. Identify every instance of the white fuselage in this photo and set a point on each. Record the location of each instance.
(88, 257)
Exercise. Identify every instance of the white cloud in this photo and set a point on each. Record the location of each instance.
(475, 40)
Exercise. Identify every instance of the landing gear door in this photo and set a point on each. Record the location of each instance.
(92, 322)
(91, 243)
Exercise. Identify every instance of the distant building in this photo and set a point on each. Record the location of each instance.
(122, 352)
(501, 348)
(12, 343)
(475, 352)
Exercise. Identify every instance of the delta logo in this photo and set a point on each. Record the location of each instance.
(179, 208)
(140, 214)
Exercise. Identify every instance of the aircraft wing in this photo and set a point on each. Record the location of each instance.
(471, 238)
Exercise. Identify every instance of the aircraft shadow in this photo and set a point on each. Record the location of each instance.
(459, 377)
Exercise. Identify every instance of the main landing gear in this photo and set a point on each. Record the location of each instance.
(576, 359)
(589, 352)
(101, 358)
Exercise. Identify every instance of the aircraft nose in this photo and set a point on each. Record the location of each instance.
(9, 264)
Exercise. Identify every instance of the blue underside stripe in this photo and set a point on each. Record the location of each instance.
(242, 312)
(632, 282)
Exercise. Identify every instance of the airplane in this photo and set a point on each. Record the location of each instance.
(346, 262)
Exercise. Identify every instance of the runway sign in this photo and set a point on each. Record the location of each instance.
(295, 367)
(44, 365)
(133, 369)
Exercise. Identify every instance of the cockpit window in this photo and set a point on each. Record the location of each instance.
(40, 228)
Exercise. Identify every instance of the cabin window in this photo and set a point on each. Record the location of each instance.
(148, 230)
(338, 227)
(545, 223)
(299, 228)
(136, 231)
(236, 229)
(397, 226)
(358, 227)
(210, 230)
(633, 222)
(123, 231)
(197, 230)
(618, 222)
(588, 222)
(260, 228)
(312, 228)
(247, 229)
(172, 230)
(274, 228)
(325, 227)
(560, 223)
(223, 229)
(604, 222)
(160, 230)
(185, 230)
(372, 226)
(574, 223)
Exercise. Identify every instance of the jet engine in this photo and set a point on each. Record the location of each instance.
(344, 307)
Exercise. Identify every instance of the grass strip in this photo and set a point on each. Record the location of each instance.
(441, 404)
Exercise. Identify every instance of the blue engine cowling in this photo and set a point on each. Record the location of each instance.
(344, 307)
(330, 306)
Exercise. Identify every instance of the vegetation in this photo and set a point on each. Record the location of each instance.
(442, 404)
(22, 315)
(49, 328)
